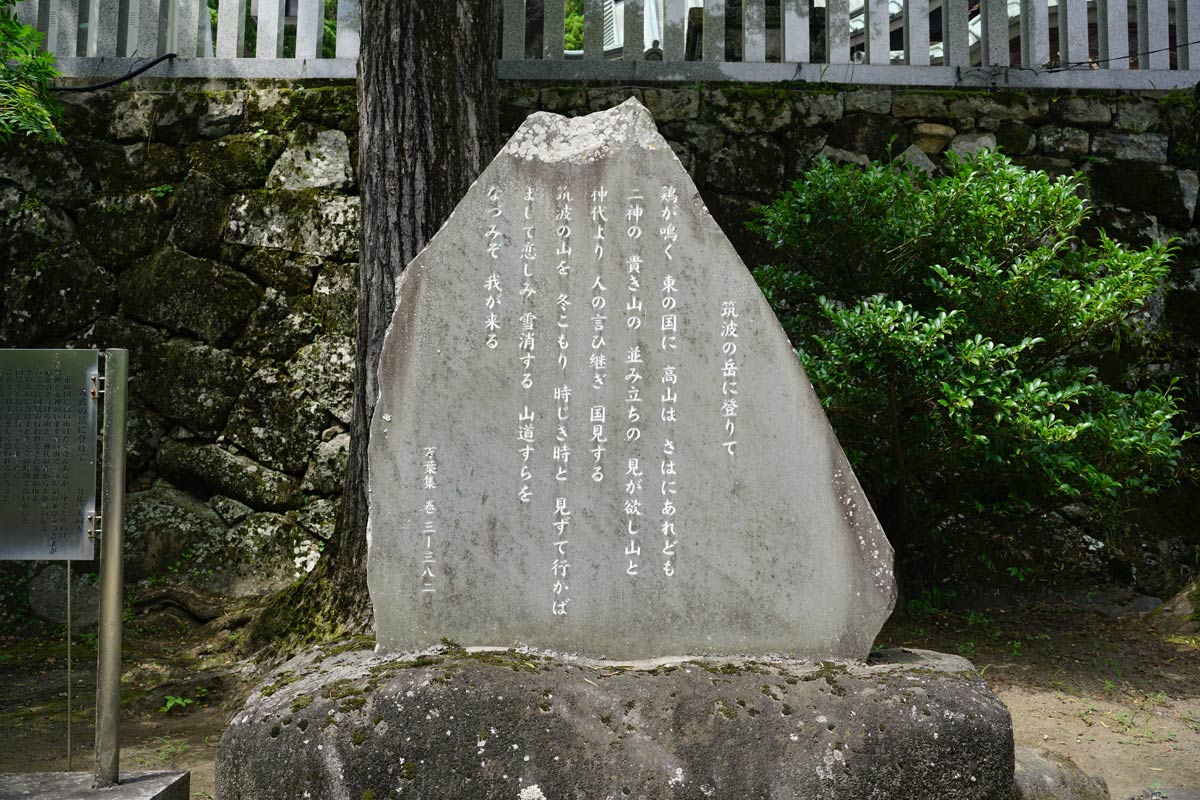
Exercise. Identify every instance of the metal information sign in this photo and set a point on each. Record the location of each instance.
(48, 417)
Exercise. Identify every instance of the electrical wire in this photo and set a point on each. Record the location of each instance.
(133, 73)
(1070, 65)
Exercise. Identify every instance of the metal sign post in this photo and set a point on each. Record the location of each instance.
(112, 510)
(48, 421)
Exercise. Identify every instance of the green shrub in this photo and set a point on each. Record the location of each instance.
(26, 107)
(951, 326)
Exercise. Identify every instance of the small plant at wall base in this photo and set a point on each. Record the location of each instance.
(950, 326)
(26, 107)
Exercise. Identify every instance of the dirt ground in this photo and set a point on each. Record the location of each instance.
(1121, 700)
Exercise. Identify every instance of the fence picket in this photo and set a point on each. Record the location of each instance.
(1187, 33)
(1073, 31)
(67, 38)
(674, 42)
(956, 47)
(1035, 33)
(231, 28)
(310, 25)
(1154, 54)
(1112, 33)
(916, 32)
(994, 44)
(795, 31)
(554, 28)
(593, 29)
(514, 29)
(187, 28)
(27, 12)
(754, 31)
(714, 29)
(878, 32)
(634, 38)
(348, 29)
(837, 31)
(269, 39)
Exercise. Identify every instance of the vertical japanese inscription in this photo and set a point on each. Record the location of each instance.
(429, 475)
(48, 418)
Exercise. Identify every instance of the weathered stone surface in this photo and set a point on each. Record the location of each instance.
(335, 298)
(162, 523)
(920, 105)
(278, 327)
(769, 543)
(222, 114)
(302, 222)
(276, 421)
(749, 111)
(914, 725)
(872, 101)
(28, 225)
(1054, 140)
(604, 97)
(916, 157)
(53, 293)
(132, 116)
(137, 785)
(118, 230)
(932, 137)
(869, 134)
(1084, 111)
(219, 470)
(189, 295)
(1016, 138)
(201, 210)
(242, 161)
(672, 105)
(190, 383)
(971, 142)
(319, 517)
(1153, 188)
(818, 108)
(326, 472)
(748, 165)
(1181, 614)
(229, 510)
(326, 370)
(290, 273)
(1131, 146)
(260, 555)
(48, 597)
(313, 160)
(1021, 106)
(1045, 775)
(1137, 114)
(46, 171)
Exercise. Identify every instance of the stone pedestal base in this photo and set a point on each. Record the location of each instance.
(524, 726)
(78, 786)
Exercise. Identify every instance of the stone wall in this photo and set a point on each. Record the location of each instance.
(214, 233)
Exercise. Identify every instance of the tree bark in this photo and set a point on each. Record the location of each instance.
(428, 125)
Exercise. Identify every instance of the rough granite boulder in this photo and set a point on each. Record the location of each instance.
(513, 724)
(1045, 775)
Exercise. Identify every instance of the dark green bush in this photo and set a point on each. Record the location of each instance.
(951, 326)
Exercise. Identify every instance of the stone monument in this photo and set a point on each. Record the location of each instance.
(600, 479)
(592, 434)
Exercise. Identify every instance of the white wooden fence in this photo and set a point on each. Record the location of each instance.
(103, 38)
(1113, 44)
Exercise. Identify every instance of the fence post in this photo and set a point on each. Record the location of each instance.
(837, 31)
(674, 44)
(916, 33)
(1187, 34)
(1035, 33)
(347, 29)
(754, 31)
(878, 29)
(310, 28)
(714, 29)
(231, 28)
(794, 25)
(514, 30)
(553, 29)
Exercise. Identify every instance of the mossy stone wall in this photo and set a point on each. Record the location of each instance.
(214, 231)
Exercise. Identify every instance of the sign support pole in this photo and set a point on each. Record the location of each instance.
(108, 672)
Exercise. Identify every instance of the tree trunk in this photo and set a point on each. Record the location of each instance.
(428, 122)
